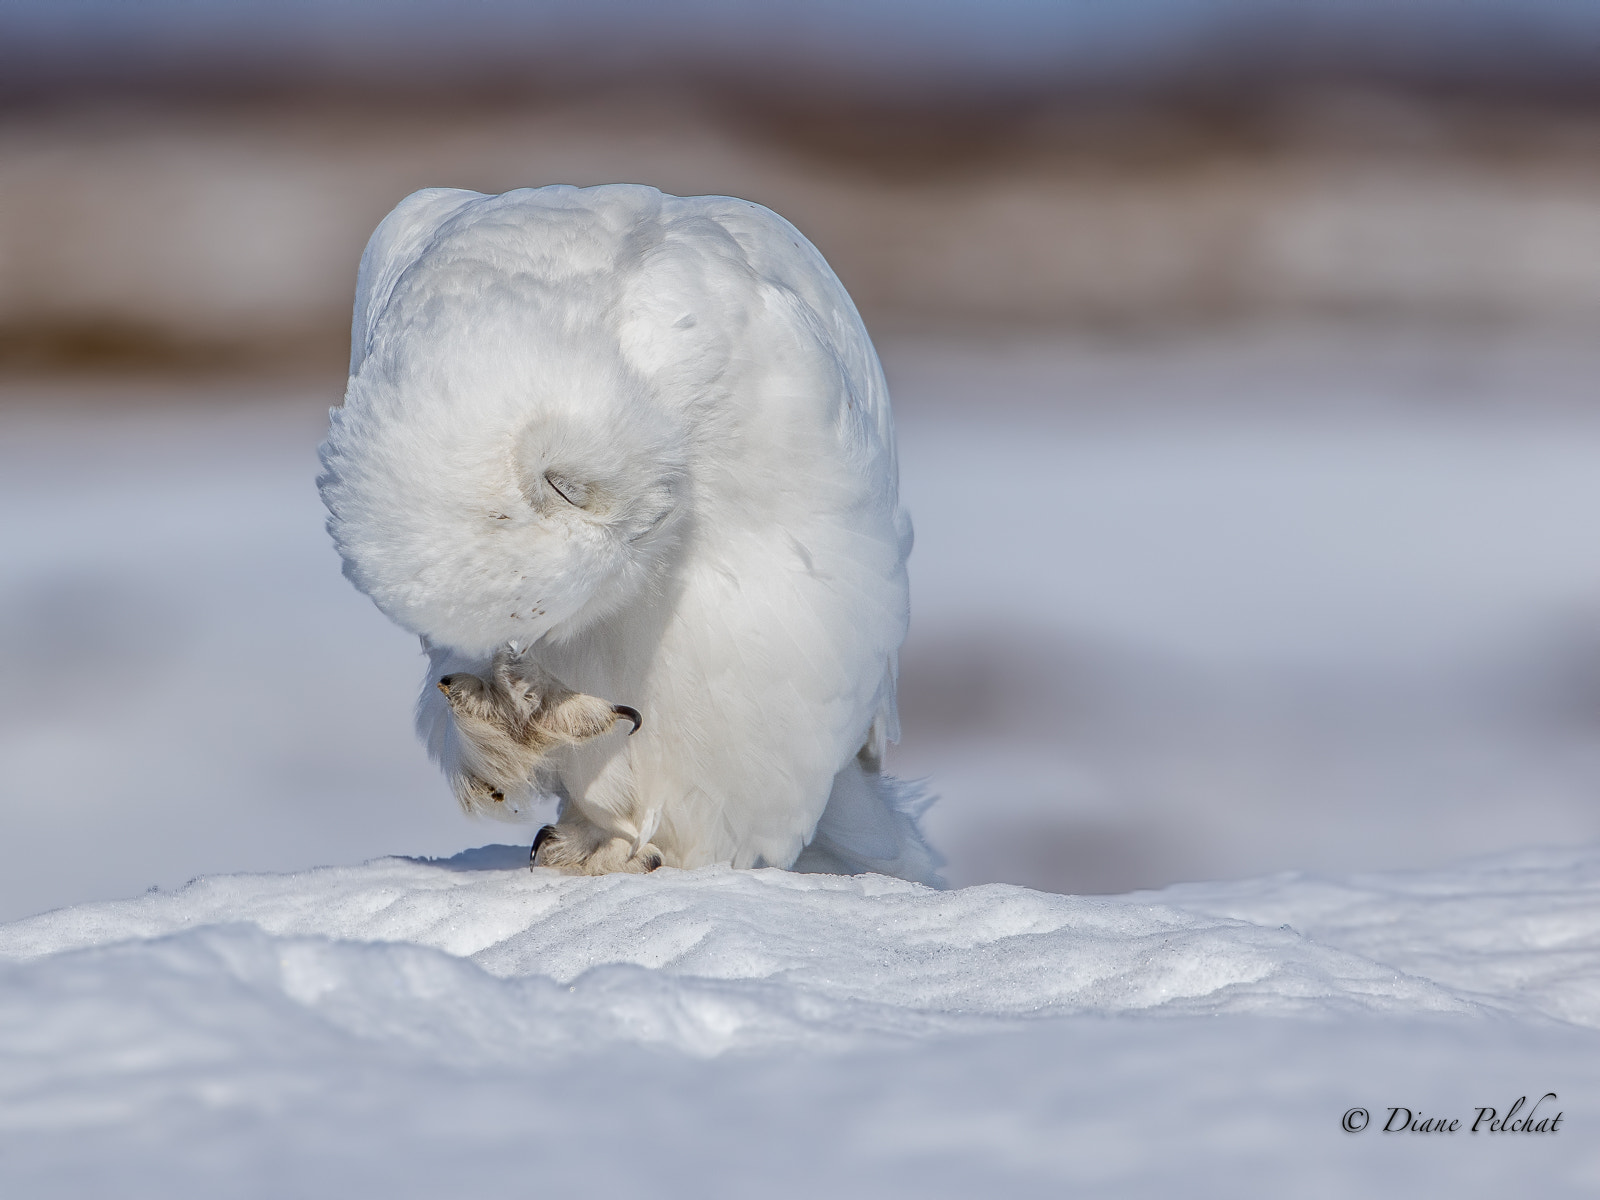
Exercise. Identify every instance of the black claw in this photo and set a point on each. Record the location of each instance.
(622, 710)
(539, 839)
(655, 861)
(444, 684)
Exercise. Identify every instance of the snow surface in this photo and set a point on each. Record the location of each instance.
(411, 1027)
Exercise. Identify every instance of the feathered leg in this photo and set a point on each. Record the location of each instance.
(579, 847)
(509, 723)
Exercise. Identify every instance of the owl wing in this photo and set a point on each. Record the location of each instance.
(398, 242)
(780, 254)
(793, 603)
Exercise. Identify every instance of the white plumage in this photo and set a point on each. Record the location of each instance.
(645, 440)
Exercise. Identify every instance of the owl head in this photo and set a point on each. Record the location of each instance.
(487, 489)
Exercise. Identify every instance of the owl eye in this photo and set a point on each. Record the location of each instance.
(574, 494)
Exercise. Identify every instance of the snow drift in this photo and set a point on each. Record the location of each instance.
(414, 1025)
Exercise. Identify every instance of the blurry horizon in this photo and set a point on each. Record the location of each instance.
(186, 184)
(916, 47)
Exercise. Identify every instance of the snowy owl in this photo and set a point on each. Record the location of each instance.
(624, 462)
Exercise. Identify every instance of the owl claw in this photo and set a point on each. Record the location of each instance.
(622, 710)
(577, 847)
(539, 839)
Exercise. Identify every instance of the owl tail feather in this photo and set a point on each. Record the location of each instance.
(872, 824)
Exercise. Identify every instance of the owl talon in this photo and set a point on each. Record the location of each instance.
(577, 847)
(539, 839)
(509, 721)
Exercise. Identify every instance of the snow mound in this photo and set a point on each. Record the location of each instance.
(477, 957)
(418, 1026)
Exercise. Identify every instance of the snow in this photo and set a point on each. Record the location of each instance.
(174, 555)
(1311, 600)
(410, 1025)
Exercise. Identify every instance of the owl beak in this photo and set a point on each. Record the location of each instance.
(622, 710)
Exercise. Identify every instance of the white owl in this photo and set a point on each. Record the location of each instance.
(613, 452)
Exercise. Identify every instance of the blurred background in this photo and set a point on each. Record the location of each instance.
(1244, 354)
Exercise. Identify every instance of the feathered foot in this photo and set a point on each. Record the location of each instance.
(511, 721)
(575, 847)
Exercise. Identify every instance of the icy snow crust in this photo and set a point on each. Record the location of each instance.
(446, 1018)
(463, 958)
